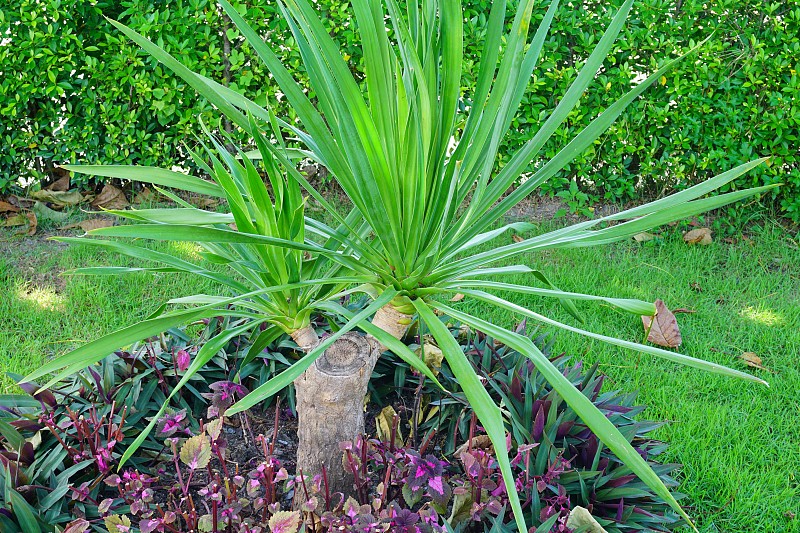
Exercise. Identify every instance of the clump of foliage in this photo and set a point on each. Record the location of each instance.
(657, 143)
(426, 195)
(558, 462)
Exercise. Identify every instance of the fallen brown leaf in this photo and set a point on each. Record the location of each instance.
(478, 442)
(695, 286)
(17, 220)
(662, 331)
(753, 360)
(92, 223)
(110, 198)
(516, 238)
(683, 310)
(457, 298)
(700, 236)
(58, 198)
(204, 203)
(6, 207)
(32, 224)
(60, 185)
(643, 237)
(143, 196)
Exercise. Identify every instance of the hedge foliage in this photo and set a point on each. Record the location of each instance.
(72, 89)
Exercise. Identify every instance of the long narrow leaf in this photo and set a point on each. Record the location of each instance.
(486, 410)
(601, 426)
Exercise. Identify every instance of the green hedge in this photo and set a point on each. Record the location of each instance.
(72, 89)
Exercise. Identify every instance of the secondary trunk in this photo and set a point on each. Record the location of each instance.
(330, 399)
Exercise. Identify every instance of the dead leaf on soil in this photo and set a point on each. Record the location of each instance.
(92, 223)
(700, 236)
(6, 207)
(643, 237)
(59, 198)
(663, 331)
(110, 198)
(457, 298)
(517, 238)
(433, 357)
(479, 442)
(60, 185)
(384, 423)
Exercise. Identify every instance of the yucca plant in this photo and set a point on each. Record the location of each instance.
(426, 195)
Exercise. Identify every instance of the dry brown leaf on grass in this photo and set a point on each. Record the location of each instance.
(92, 223)
(683, 310)
(753, 360)
(662, 331)
(700, 236)
(457, 298)
(58, 198)
(110, 198)
(23, 219)
(6, 207)
(643, 237)
(517, 238)
(204, 203)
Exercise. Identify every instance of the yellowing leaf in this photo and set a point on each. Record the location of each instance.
(580, 517)
(432, 355)
(214, 429)
(384, 423)
(285, 522)
(196, 452)
(117, 523)
(662, 331)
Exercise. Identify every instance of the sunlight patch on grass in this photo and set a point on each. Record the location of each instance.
(762, 315)
(45, 298)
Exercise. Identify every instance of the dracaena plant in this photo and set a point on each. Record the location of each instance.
(426, 193)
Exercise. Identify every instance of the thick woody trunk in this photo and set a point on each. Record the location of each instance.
(330, 407)
(330, 399)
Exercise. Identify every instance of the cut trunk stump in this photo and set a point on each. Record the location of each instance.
(330, 409)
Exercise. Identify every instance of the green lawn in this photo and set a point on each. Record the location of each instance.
(739, 442)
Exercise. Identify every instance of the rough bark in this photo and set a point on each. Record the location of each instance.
(330, 408)
(330, 398)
